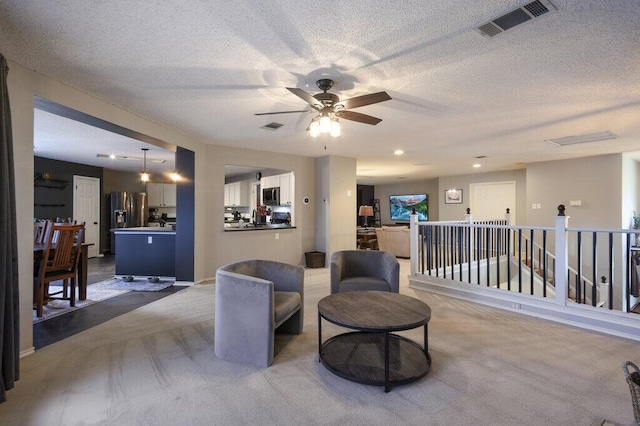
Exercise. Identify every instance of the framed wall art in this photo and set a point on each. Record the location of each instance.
(453, 196)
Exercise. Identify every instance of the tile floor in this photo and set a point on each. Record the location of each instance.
(63, 326)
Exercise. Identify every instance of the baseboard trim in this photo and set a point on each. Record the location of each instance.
(28, 352)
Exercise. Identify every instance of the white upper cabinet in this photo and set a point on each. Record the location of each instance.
(161, 194)
(237, 194)
(286, 184)
(287, 189)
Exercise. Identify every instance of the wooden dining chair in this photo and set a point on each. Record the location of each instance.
(59, 262)
(40, 230)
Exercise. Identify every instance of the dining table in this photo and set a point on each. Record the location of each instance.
(38, 250)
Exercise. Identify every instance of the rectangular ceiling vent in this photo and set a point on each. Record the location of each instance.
(272, 126)
(591, 137)
(515, 17)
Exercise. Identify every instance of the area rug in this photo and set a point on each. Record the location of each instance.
(141, 284)
(97, 292)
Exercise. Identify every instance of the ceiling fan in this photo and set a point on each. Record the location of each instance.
(331, 107)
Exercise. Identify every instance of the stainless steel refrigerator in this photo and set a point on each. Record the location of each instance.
(128, 210)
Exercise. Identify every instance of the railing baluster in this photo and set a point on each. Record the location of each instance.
(519, 260)
(594, 261)
(544, 263)
(469, 230)
(487, 251)
(498, 248)
(509, 255)
(579, 269)
(611, 277)
(460, 252)
(478, 242)
(533, 263)
(630, 264)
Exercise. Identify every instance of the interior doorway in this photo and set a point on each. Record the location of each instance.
(86, 208)
(491, 200)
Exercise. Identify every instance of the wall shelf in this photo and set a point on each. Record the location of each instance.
(51, 183)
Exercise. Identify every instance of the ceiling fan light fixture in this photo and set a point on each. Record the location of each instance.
(335, 128)
(314, 128)
(325, 123)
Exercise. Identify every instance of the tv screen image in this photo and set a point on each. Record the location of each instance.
(402, 205)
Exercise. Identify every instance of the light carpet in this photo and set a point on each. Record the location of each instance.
(95, 293)
(156, 366)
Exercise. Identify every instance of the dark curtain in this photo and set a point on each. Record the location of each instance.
(9, 303)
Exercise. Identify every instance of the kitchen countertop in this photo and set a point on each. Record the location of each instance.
(145, 230)
(258, 228)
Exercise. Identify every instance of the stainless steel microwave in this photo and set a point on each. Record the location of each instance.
(271, 196)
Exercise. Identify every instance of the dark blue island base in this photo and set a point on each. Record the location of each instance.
(145, 251)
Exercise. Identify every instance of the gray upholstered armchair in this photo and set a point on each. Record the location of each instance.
(364, 270)
(253, 298)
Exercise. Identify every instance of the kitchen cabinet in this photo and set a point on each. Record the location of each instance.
(236, 194)
(270, 182)
(287, 189)
(161, 194)
(283, 181)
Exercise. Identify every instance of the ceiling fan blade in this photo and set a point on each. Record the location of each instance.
(281, 112)
(307, 97)
(356, 116)
(363, 100)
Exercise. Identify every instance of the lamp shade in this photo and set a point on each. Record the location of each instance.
(365, 211)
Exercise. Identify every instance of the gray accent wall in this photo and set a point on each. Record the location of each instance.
(595, 181)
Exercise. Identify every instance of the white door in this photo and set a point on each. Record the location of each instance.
(86, 208)
(491, 200)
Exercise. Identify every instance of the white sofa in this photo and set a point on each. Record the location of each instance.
(394, 239)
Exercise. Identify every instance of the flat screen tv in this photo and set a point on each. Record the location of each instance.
(401, 206)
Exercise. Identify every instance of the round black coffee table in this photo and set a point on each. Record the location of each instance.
(373, 354)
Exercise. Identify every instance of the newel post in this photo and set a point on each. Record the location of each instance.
(507, 217)
(562, 256)
(413, 240)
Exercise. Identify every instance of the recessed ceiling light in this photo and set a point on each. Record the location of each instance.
(475, 166)
(398, 152)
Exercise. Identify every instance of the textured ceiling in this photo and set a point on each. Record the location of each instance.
(204, 69)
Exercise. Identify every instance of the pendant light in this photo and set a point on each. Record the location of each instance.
(145, 176)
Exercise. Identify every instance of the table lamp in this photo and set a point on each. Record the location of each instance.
(365, 211)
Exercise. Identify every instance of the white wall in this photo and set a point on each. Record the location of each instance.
(336, 204)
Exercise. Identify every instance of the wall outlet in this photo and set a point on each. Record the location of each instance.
(149, 240)
(516, 306)
(277, 236)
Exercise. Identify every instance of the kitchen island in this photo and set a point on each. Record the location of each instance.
(145, 251)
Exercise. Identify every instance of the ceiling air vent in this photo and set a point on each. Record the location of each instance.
(591, 137)
(272, 126)
(515, 17)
